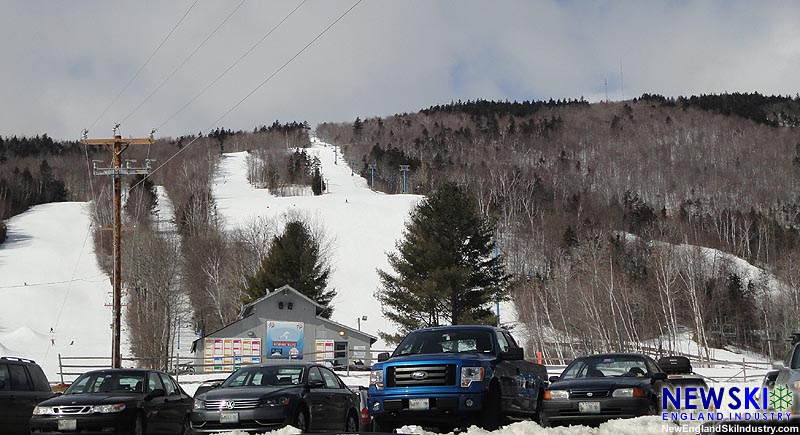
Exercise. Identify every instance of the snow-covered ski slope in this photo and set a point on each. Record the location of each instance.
(363, 224)
(49, 278)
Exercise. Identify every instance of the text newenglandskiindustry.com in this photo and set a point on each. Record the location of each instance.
(724, 428)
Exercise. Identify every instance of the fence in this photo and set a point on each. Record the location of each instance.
(714, 371)
(73, 366)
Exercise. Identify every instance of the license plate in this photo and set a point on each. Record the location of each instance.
(589, 407)
(67, 425)
(229, 417)
(418, 404)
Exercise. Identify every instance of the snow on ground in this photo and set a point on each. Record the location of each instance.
(363, 223)
(651, 425)
(748, 272)
(49, 278)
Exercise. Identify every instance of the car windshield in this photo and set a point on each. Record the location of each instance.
(108, 382)
(607, 366)
(446, 341)
(270, 376)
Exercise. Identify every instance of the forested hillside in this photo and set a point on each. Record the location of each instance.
(615, 219)
(39, 170)
(568, 182)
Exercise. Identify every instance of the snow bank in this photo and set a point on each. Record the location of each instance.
(650, 425)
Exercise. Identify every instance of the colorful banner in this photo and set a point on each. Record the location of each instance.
(324, 349)
(228, 354)
(285, 340)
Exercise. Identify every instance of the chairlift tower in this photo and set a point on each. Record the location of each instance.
(118, 145)
(372, 176)
(404, 169)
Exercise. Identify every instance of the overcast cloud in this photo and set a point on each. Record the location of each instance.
(64, 62)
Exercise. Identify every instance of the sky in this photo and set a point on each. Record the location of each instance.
(64, 63)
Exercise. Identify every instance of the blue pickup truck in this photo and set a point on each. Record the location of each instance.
(455, 376)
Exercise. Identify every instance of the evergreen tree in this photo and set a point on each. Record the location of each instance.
(295, 258)
(317, 185)
(446, 268)
(358, 125)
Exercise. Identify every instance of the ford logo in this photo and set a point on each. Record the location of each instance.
(589, 394)
(229, 404)
(419, 375)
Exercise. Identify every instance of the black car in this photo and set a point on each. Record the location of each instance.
(22, 386)
(116, 401)
(259, 398)
(597, 388)
(207, 386)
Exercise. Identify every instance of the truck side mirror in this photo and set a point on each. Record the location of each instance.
(553, 379)
(383, 356)
(777, 365)
(513, 354)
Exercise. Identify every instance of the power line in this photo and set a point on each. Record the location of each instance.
(41, 284)
(182, 63)
(213, 82)
(144, 64)
(287, 62)
(265, 81)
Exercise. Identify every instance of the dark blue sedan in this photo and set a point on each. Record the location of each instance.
(597, 388)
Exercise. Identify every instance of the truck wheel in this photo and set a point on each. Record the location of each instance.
(380, 426)
(538, 417)
(492, 410)
(544, 421)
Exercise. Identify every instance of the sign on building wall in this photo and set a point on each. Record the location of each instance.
(324, 349)
(285, 339)
(359, 351)
(227, 354)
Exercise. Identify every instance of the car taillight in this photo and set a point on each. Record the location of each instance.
(364, 415)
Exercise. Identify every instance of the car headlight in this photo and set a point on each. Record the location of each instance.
(628, 392)
(199, 404)
(470, 375)
(796, 385)
(275, 401)
(556, 394)
(42, 410)
(376, 379)
(108, 409)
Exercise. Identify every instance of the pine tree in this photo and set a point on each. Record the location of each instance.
(296, 259)
(317, 185)
(446, 270)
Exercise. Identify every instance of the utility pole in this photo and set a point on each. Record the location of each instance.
(404, 169)
(118, 145)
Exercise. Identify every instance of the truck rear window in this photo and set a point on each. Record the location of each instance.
(446, 341)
